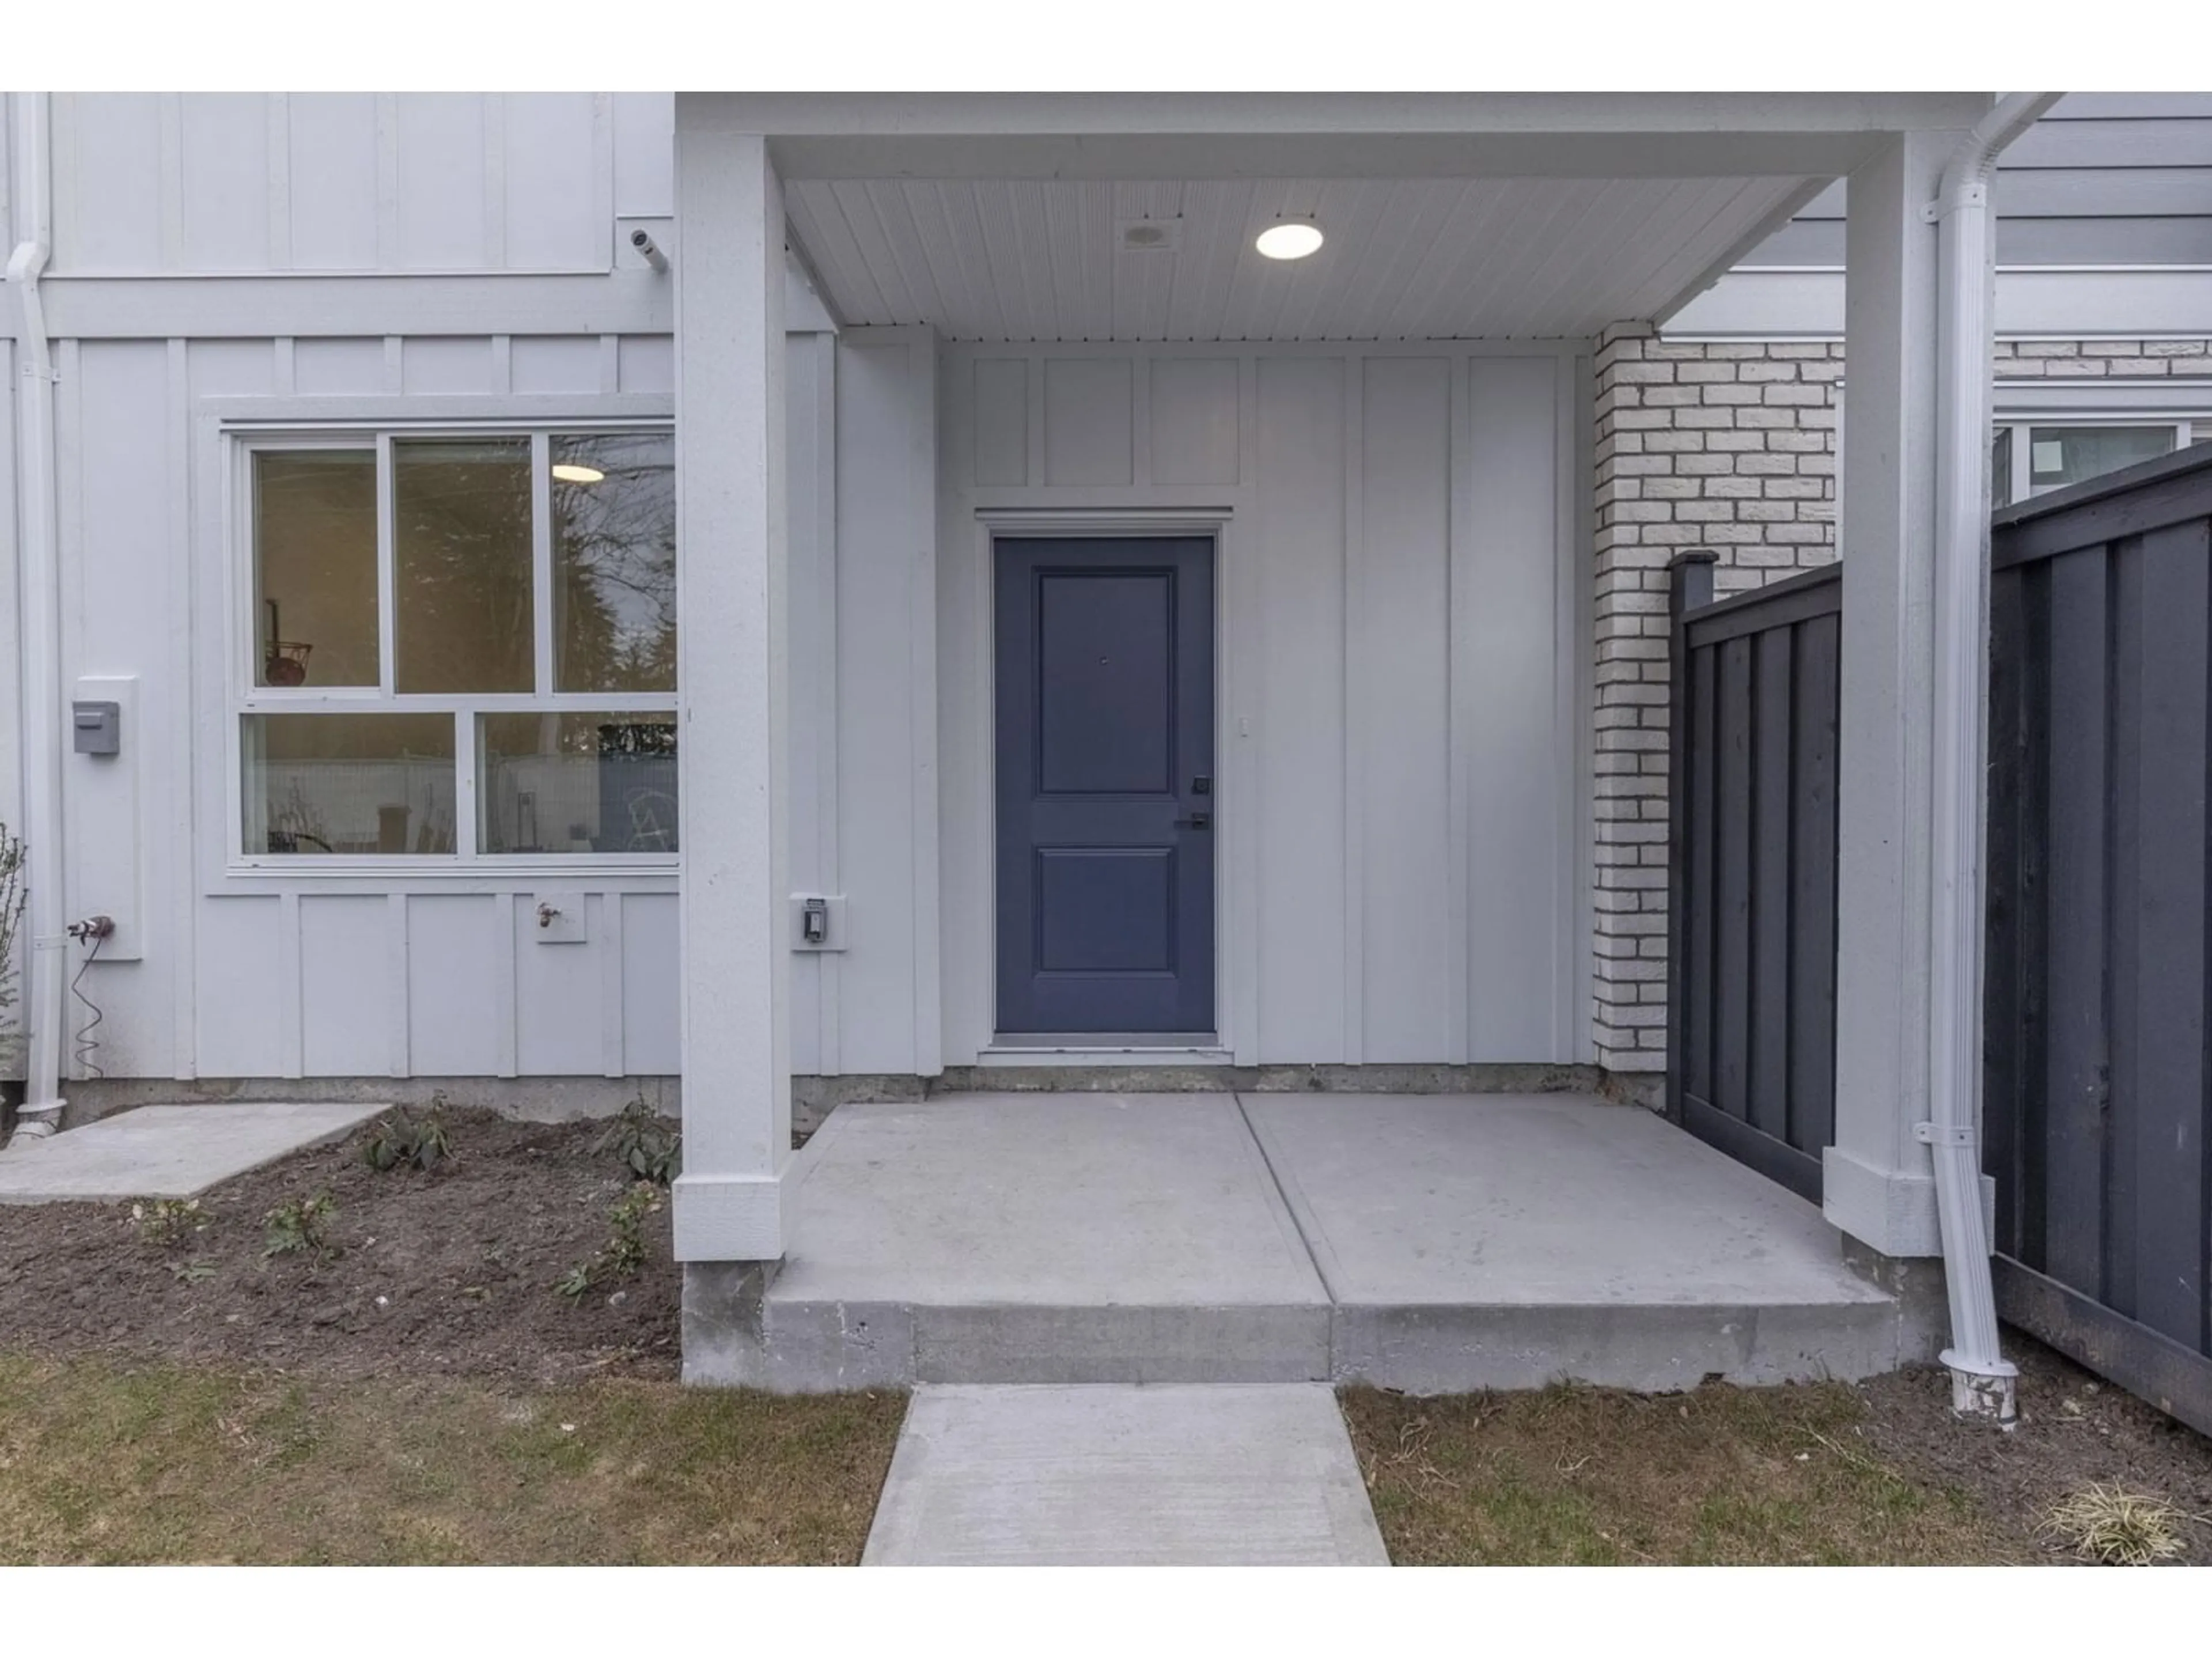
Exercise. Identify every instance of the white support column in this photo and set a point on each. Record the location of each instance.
(731, 553)
(1878, 1185)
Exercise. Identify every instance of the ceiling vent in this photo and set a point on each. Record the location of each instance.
(1149, 235)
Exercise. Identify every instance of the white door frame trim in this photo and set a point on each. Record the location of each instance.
(1232, 819)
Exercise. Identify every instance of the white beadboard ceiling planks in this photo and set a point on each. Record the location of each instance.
(1405, 258)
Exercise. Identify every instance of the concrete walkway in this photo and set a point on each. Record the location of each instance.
(1125, 1476)
(167, 1151)
(1433, 1243)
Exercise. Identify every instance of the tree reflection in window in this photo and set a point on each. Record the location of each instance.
(614, 563)
(462, 565)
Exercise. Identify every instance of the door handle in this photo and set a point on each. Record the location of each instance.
(1196, 821)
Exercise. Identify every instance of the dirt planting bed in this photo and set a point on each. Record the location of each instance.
(449, 1271)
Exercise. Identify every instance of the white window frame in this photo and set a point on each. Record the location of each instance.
(244, 697)
(2018, 426)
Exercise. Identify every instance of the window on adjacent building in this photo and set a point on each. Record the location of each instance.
(463, 645)
(2027, 460)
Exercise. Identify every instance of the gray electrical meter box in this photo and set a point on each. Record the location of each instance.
(99, 727)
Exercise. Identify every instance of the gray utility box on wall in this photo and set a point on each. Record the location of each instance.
(97, 727)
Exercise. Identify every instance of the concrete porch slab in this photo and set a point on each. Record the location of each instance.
(1505, 1241)
(1040, 1238)
(1433, 1243)
(1162, 1476)
(167, 1151)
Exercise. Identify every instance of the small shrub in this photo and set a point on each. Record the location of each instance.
(625, 1250)
(300, 1227)
(647, 1148)
(2116, 1527)
(167, 1221)
(399, 1139)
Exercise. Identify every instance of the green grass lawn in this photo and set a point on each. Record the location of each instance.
(1594, 1477)
(106, 1461)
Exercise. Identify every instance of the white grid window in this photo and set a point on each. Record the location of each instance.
(460, 645)
(2033, 457)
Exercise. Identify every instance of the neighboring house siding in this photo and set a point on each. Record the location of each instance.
(2106, 178)
(1730, 446)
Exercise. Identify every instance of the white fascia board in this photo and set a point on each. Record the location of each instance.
(1110, 135)
(1275, 114)
(2051, 302)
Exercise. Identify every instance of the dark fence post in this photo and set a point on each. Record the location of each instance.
(1689, 587)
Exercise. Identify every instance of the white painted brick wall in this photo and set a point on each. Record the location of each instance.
(1729, 445)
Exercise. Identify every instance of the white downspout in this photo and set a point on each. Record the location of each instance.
(39, 552)
(1983, 1380)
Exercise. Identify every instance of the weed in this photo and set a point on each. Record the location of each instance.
(302, 1226)
(624, 1252)
(191, 1272)
(399, 1138)
(574, 1282)
(167, 1221)
(2118, 1527)
(648, 1147)
(12, 898)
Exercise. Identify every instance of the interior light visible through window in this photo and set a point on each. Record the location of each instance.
(570, 472)
(1291, 240)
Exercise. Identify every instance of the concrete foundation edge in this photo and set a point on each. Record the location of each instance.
(1650, 1349)
(1920, 1304)
(736, 1335)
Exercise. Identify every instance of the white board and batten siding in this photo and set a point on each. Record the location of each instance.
(230, 973)
(1398, 667)
(313, 204)
(148, 183)
(1400, 813)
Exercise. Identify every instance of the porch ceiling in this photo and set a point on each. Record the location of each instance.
(1025, 259)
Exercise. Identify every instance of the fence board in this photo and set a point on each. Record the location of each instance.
(2075, 1087)
(2001, 1071)
(2121, 714)
(1772, 730)
(1812, 1006)
(1699, 907)
(2168, 907)
(1732, 884)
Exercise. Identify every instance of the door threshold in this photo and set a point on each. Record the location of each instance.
(1104, 1048)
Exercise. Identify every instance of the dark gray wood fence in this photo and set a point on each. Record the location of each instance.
(2095, 1077)
(2097, 1097)
(1751, 869)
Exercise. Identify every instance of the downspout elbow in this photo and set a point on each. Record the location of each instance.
(1966, 175)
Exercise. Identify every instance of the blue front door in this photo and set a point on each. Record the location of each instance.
(1106, 796)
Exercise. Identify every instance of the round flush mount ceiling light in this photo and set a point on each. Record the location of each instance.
(1292, 240)
(570, 472)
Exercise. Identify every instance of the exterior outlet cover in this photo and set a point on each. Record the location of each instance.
(98, 725)
(836, 903)
(558, 918)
